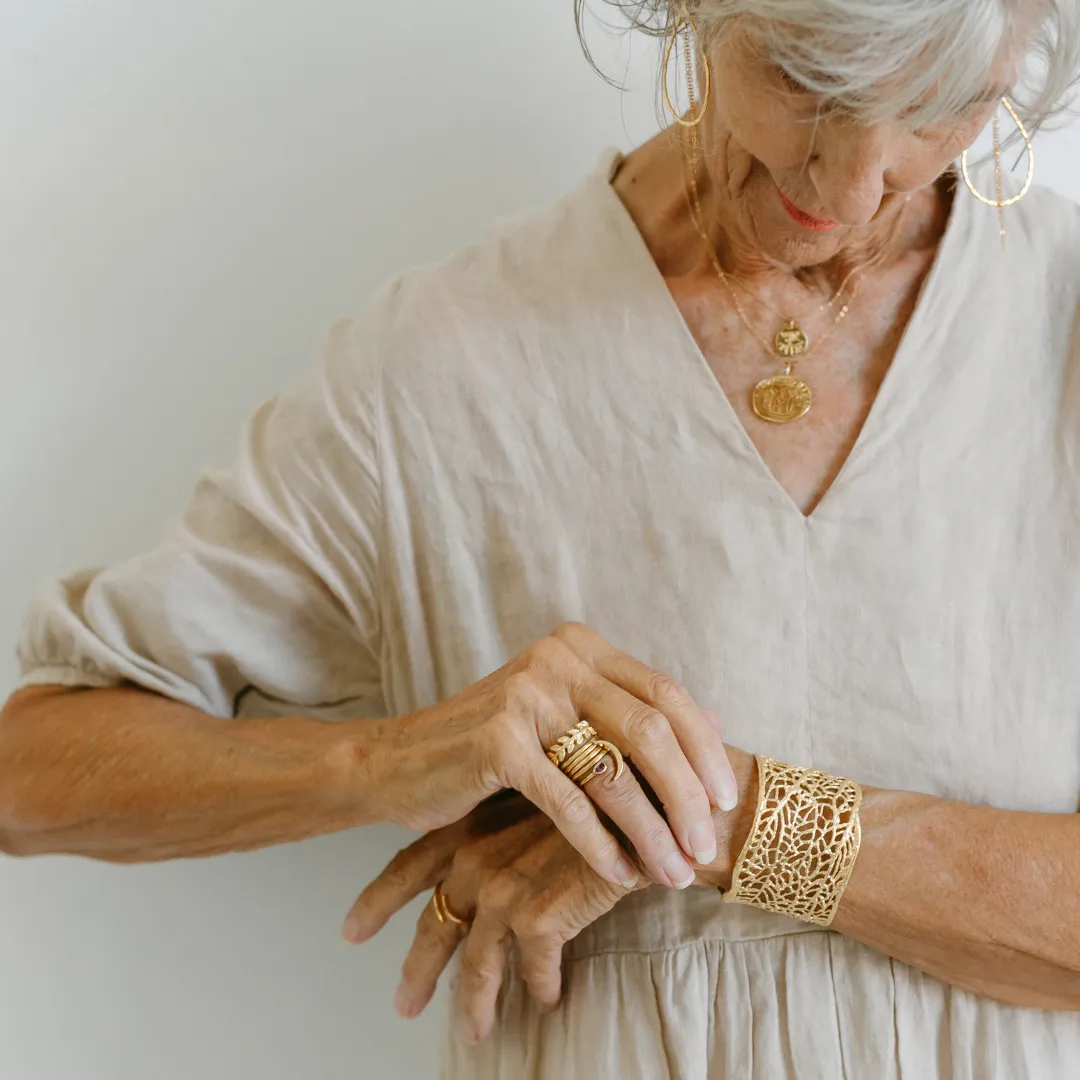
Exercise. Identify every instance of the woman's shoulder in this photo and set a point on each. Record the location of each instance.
(1049, 223)
(522, 278)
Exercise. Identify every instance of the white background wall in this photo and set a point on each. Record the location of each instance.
(191, 191)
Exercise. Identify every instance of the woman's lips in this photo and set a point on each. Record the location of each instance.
(805, 220)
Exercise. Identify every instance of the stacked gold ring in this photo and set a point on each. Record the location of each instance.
(582, 755)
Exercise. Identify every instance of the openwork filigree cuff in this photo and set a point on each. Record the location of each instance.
(803, 845)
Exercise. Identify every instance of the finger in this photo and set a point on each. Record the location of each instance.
(435, 941)
(701, 739)
(482, 966)
(561, 896)
(728, 784)
(625, 802)
(644, 733)
(432, 949)
(698, 735)
(541, 969)
(411, 871)
(570, 810)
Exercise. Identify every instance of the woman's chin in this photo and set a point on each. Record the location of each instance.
(781, 240)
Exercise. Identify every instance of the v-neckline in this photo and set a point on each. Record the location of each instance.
(903, 358)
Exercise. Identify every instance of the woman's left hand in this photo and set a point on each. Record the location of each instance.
(523, 881)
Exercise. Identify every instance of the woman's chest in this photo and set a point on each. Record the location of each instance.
(844, 352)
(921, 630)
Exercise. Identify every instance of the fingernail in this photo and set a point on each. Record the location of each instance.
(703, 841)
(472, 1036)
(725, 787)
(625, 873)
(678, 871)
(351, 930)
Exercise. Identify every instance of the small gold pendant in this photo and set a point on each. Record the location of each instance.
(791, 342)
(782, 400)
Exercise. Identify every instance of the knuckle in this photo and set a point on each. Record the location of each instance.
(691, 799)
(574, 807)
(498, 892)
(570, 647)
(545, 654)
(470, 861)
(536, 971)
(648, 836)
(520, 690)
(398, 877)
(503, 737)
(525, 918)
(697, 802)
(618, 793)
(666, 690)
(539, 921)
(475, 971)
(647, 729)
(426, 931)
(655, 840)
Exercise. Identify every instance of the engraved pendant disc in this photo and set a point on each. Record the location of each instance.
(782, 400)
(791, 342)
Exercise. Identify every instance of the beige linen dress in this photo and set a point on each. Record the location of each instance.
(528, 434)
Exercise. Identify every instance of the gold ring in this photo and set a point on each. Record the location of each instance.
(443, 911)
(602, 766)
(582, 755)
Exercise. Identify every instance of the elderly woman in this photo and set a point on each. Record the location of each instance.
(765, 419)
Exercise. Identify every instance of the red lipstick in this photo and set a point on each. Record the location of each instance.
(804, 219)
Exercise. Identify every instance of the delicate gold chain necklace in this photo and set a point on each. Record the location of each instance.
(786, 398)
(783, 398)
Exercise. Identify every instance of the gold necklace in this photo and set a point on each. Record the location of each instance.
(798, 343)
(782, 399)
(785, 398)
(788, 322)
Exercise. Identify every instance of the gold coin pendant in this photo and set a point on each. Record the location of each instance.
(782, 400)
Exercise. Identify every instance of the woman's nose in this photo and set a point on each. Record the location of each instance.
(849, 172)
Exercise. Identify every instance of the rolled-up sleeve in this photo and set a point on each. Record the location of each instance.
(268, 583)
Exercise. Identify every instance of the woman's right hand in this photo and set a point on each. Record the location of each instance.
(430, 768)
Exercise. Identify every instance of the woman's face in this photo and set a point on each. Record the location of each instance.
(803, 190)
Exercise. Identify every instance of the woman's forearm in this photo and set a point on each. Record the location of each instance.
(987, 900)
(126, 776)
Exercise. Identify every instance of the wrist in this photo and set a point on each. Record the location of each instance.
(359, 766)
(733, 828)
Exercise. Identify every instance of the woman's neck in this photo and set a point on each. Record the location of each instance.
(652, 183)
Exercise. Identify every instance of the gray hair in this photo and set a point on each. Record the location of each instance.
(922, 60)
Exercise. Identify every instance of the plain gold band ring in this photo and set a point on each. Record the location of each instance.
(443, 911)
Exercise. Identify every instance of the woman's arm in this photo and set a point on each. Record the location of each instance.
(982, 899)
(125, 775)
(987, 900)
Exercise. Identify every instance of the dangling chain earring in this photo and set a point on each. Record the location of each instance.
(1001, 202)
(684, 25)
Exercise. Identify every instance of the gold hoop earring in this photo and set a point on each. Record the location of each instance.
(1000, 203)
(685, 26)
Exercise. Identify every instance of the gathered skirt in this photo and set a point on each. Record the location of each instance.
(684, 987)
